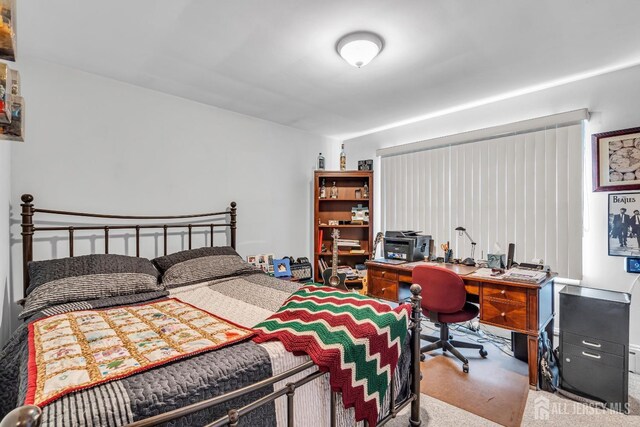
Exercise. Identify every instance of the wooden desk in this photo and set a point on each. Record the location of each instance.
(520, 307)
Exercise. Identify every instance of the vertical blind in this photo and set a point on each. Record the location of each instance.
(524, 188)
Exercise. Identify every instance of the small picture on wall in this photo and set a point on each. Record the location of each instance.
(7, 30)
(616, 160)
(624, 224)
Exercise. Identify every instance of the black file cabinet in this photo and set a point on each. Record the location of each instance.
(594, 344)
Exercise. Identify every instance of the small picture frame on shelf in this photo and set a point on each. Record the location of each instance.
(281, 267)
(334, 222)
(358, 193)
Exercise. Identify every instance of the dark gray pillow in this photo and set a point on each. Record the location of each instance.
(88, 277)
(164, 263)
(200, 265)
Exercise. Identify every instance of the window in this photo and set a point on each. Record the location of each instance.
(524, 188)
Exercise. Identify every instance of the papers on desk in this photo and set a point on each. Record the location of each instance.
(522, 275)
(514, 275)
(487, 273)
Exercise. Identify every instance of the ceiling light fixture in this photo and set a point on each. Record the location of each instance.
(359, 48)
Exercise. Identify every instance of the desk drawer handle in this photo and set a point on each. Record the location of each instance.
(503, 292)
(591, 344)
(503, 314)
(593, 356)
(383, 273)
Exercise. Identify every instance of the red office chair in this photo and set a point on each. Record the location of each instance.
(444, 301)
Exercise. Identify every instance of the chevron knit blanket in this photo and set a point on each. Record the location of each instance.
(355, 338)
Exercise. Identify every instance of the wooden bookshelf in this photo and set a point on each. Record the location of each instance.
(339, 209)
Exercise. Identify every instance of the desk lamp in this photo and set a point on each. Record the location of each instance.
(468, 261)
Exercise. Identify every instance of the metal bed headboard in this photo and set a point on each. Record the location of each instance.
(28, 228)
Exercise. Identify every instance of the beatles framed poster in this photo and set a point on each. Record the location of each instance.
(624, 224)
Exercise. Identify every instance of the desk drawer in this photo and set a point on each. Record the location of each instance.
(508, 314)
(383, 274)
(382, 288)
(502, 292)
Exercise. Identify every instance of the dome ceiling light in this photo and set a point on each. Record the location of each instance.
(359, 48)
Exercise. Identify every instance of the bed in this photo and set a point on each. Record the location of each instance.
(221, 379)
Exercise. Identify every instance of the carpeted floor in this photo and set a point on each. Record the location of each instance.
(562, 412)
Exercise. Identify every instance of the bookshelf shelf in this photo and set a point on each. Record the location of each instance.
(344, 200)
(339, 209)
(344, 226)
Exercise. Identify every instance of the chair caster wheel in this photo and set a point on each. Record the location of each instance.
(465, 368)
(483, 353)
(423, 357)
(450, 337)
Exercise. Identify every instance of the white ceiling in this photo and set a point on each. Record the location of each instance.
(276, 59)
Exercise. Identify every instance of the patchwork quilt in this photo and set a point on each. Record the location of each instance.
(356, 338)
(81, 349)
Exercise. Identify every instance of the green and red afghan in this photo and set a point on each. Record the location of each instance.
(355, 338)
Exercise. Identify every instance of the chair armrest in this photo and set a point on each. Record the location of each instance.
(23, 416)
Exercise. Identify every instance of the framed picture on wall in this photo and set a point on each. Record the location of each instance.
(7, 30)
(616, 160)
(624, 224)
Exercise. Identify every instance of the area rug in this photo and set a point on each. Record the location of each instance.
(496, 388)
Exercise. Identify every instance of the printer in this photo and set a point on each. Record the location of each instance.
(406, 246)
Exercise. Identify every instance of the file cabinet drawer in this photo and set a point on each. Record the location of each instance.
(591, 343)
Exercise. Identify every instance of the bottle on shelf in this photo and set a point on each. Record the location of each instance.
(343, 159)
(334, 191)
(320, 164)
(365, 191)
(323, 190)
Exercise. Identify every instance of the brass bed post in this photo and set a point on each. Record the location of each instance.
(233, 225)
(416, 314)
(27, 238)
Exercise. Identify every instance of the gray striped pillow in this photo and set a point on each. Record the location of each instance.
(84, 278)
(202, 264)
(206, 268)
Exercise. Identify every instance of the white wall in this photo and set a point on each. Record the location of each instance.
(98, 145)
(5, 199)
(614, 102)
